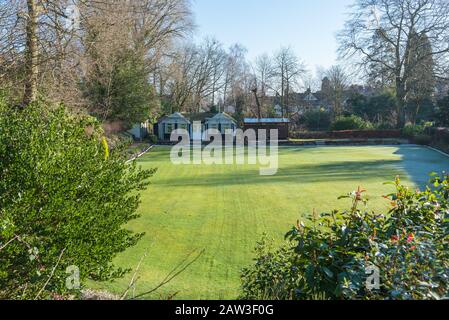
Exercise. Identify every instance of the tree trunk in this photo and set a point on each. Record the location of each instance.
(400, 103)
(282, 93)
(287, 100)
(31, 56)
(416, 113)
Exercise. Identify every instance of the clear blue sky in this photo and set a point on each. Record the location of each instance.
(308, 26)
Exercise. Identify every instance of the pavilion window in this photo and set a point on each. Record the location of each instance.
(225, 127)
(169, 127)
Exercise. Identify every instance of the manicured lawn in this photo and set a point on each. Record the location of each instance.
(225, 209)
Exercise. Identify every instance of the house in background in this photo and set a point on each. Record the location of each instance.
(278, 110)
(310, 101)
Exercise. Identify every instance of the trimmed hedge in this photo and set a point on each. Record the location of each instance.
(348, 134)
(438, 133)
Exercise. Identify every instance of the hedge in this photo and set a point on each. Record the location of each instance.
(348, 134)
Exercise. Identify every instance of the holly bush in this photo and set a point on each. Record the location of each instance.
(335, 255)
(65, 200)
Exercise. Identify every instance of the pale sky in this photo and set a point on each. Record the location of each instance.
(308, 26)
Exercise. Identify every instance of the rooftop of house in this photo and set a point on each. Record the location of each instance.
(310, 97)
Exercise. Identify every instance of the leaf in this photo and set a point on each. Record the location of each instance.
(435, 295)
(328, 272)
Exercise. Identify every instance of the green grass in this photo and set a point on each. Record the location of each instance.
(225, 209)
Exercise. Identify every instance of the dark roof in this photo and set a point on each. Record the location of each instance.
(175, 115)
(202, 116)
(223, 115)
(198, 116)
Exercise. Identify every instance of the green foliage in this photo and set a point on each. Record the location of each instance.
(64, 201)
(413, 130)
(272, 277)
(153, 138)
(421, 110)
(443, 111)
(385, 126)
(357, 103)
(123, 93)
(422, 139)
(318, 120)
(350, 123)
(125, 139)
(331, 254)
(214, 109)
(378, 108)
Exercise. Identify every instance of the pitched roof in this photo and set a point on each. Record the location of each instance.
(223, 115)
(174, 116)
(310, 97)
(201, 116)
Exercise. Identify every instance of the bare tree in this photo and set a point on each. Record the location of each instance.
(338, 83)
(198, 75)
(156, 24)
(51, 55)
(395, 23)
(29, 30)
(264, 73)
(287, 69)
(236, 75)
(185, 71)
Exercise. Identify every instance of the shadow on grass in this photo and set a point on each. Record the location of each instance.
(304, 173)
(415, 161)
(418, 162)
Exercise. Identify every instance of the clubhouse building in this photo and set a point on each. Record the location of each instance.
(222, 122)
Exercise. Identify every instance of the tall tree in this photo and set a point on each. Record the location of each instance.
(50, 46)
(264, 71)
(198, 75)
(396, 22)
(378, 75)
(236, 70)
(421, 82)
(28, 41)
(31, 54)
(287, 68)
(336, 85)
